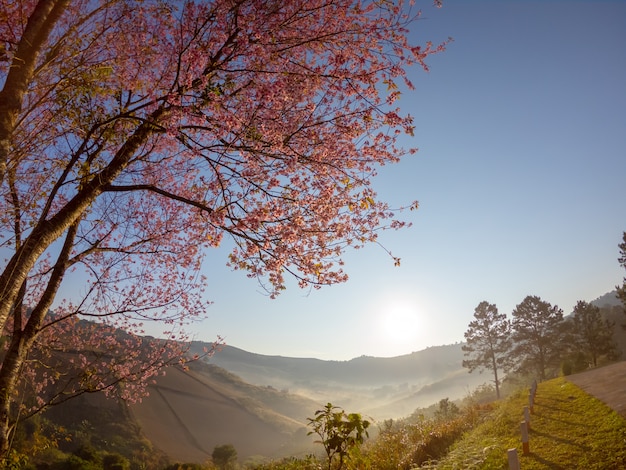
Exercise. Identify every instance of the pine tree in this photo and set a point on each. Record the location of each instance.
(592, 334)
(488, 341)
(537, 334)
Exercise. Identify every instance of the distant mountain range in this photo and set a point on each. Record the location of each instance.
(380, 387)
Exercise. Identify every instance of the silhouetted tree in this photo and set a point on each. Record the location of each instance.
(224, 456)
(537, 334)
(446, 410)
(621, 290)
(488, 342)
(592, 334)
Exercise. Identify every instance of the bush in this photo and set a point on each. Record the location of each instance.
(405, 445)
(115, 462)
(73, 462)
(339, 432)
(224, 456)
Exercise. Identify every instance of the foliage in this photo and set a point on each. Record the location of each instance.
(591, 334)
(446, 410)
(98, 431)
(134, 135)
(224, 456)
(407, 444)
(339, 432)
(537, 336)
(115, 462)
(560, 433)
(310, 462)
(186, 466)
(488, 341)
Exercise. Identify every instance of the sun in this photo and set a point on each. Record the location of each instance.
(399, 322)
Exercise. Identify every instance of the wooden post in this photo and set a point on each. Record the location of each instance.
(527, 417)
(525, 444)
(513, 459)
(531, 401)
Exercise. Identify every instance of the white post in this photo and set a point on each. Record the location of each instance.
(525, 443)
(513, 459)
(527, 416)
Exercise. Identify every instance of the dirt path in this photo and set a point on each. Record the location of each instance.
(607, 384)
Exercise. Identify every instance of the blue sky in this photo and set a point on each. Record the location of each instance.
(521, 126)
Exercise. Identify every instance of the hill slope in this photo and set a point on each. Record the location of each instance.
(379, 387)
(569, 429)
(188, 413)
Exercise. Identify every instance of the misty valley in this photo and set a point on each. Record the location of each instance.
(258, 411)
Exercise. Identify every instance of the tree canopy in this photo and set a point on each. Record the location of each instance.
(488, 341)
(537, 331)
(621, 290)
(135, 135)
(591, 333)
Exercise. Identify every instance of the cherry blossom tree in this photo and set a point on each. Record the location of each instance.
(134, 135)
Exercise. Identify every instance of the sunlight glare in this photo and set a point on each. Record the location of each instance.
(399, 322)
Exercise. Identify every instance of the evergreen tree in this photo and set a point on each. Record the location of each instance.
(592, 334)
(621, 290)
(537, 334)
(488, 341)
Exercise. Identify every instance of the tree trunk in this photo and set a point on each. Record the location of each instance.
(23, 339)
(48, 231)
(542, 366)
(495, 374)
(9, 375)
(40, 24)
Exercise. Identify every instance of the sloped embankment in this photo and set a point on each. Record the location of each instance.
(569, 429)
(188, 413)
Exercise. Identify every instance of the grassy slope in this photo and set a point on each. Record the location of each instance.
(569, 429)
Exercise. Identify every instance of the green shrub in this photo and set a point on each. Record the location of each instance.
(339, 432)
(115, 462)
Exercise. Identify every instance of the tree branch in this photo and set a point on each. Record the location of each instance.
(157, 190)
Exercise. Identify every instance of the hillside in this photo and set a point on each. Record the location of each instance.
(190, 412)
(609, 299)
(260, 404)
(379, 387)
(569, 429)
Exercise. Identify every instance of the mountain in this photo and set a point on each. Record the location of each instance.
(369, 385)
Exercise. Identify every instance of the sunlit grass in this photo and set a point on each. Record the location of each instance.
(569, 430)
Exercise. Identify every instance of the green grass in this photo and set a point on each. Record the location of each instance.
(569, 430)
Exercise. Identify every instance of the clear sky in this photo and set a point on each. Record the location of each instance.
(521, 177)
